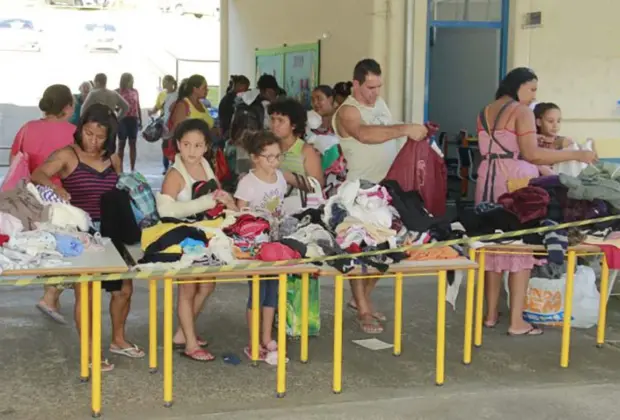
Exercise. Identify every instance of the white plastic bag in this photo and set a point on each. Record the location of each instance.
(573, 167)
(545, 299)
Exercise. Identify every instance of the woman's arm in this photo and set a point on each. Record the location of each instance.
(525, 126)
(55, 165)
(312, 163)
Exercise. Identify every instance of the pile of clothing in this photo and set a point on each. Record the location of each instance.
(40, 230)
(360, 217)
(552, 200)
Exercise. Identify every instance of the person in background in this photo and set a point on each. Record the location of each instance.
(288, 122)
(324, 104)
(237, 85)
(100, 94)
(192, 141)
(39, 139)
(78, 101)
(509, 122)
(263, 189)
(165, 99)
(88, 169)
(131, 122)
(370, 141)
(342, 90)
(189, 102)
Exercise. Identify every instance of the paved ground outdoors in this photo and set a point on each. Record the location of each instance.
(510, 377)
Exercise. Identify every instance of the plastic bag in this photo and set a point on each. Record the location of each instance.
(545, 299)
(573, 167)
(18, 170)
(154, 130)
(418, 167)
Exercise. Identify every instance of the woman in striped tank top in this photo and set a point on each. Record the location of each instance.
(88, 169)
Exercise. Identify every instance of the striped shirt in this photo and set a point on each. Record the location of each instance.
(86, 185)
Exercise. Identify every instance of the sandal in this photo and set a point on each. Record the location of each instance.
(133, 351)
(199, 355)
(53, 314)
(492, 324)
(262, 353)
(106, 366)
(181, 346)
(376, 315)
(533, 331)
(369, 324)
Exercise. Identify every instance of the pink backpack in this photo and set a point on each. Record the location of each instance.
(19, 168)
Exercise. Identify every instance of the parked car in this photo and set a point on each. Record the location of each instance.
(102, 37)
(18, 34)
(198, 8)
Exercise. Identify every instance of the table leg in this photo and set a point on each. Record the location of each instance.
(602, 308)
(338, 308)
(479, 299)
(441, 327)
(96, 350)
(281, 379)
(568, 308)
(398, 313)
(305, 307)
(153, 326)
(255, 319)
(168, 325)
(85, 330)
(469, 310)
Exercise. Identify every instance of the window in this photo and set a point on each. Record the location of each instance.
(467, 10)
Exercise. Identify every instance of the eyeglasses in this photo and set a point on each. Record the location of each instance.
(272, 158)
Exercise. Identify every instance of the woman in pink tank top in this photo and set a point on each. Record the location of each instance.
(40, 138)
(509, 147)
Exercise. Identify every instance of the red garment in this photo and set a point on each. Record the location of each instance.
(216, 211)
(420, 168)
(3, 239)
(248, 226)
(612, 255)
(528, 204)
(276, 251)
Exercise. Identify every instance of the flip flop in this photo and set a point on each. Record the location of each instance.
(105, 366)
(376, 315)
(370, 326)
(133, 352)
(54, 315)
(532, 332)
(199, 355)
(181, 346)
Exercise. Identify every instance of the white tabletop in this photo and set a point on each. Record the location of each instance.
(107, 261)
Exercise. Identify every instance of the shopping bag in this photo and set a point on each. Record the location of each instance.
(544, 302)
(293, 306)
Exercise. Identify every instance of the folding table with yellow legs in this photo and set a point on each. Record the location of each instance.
(572, 254)
(235, 276)
(398, 272)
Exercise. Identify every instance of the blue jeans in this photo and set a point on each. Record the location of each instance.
(268, 294)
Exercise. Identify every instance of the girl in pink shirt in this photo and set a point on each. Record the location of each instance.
(39, 139)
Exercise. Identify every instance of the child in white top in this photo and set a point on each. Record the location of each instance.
(263, 188)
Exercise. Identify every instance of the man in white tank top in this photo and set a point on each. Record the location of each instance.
(370, 141)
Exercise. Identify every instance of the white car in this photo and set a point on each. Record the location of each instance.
(198, 8)
(102, 37)
(18, 34)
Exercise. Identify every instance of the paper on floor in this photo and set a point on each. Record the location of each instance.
(373, 344)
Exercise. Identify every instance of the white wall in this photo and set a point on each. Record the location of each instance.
(576, 56)
(349, 31)
(464, 74)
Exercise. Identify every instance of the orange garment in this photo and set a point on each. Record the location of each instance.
(444, 253)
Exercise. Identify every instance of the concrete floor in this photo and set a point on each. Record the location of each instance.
(510, 377)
